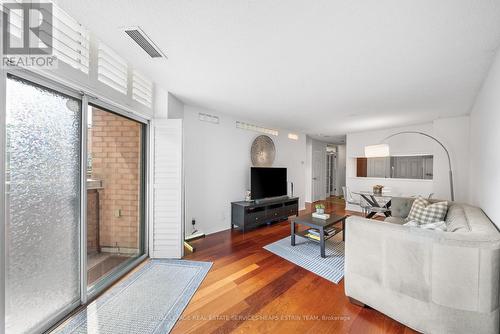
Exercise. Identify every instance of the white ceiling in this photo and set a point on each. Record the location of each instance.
(322, 67)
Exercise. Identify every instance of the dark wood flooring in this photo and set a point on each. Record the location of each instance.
(250, 290)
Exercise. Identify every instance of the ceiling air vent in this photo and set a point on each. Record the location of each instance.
(208, 118)
(144, 42)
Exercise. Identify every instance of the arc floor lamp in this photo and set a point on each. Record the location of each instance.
(382, 150)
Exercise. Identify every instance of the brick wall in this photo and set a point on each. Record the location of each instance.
(92, 219)
(116, 152)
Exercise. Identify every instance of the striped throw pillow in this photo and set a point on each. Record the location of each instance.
(425, 213)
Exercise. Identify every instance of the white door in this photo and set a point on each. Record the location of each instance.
(318, 185)
(330, 174)
(167, 217)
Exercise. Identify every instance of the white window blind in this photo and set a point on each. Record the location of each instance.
(142, 89)
(112, 69)
(71, 40)
(15, 25)
(167, 225)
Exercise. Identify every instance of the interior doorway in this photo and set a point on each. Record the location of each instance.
(318, 185)
(331, 170)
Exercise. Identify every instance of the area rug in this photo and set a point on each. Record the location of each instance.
(149, 301)
(306, 254)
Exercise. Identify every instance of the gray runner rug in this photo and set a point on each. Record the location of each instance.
(149, 301)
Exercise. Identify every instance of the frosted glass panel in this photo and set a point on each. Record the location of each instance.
(43, 204)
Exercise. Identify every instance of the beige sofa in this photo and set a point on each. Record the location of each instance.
(431, 281)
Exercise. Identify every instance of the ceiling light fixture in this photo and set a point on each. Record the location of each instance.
(377, 151)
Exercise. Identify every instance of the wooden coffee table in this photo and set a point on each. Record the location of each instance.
(320, 224)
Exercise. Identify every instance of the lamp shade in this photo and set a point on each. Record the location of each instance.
(377, 151)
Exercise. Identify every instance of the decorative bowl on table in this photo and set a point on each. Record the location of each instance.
(377, 189)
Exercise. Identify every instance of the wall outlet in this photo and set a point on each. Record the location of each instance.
(118, 213)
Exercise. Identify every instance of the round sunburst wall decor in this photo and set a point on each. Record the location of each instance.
(263, 151)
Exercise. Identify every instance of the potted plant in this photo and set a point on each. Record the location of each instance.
(320, 208)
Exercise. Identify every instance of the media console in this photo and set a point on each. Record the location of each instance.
(246, 215)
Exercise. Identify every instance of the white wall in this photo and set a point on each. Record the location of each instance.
(484, 145)
(340, 177)
(175, 107)
(217, 167)
(160, 103)
(452, 132)
(308, 169)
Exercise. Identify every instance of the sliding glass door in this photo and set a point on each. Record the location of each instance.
(43, 169)
(115, 194)
(75, 199)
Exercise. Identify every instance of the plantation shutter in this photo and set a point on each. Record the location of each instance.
(167, 224)
(142, 89)
(112, 69)
(15, 25)
(71, 41)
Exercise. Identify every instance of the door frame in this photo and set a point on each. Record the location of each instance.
(85, 97)
(112, 278)
(48, 84)
(331, 180)
(318, 186)
(3, 212)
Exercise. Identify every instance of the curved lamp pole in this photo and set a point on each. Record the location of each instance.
(437, 141)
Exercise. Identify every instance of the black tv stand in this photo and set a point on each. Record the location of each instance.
(246, 215)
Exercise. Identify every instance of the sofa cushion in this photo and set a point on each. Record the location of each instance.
(424, 213)
(400, 206)
(456, 219)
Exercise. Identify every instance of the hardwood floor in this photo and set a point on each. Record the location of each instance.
(250, 290)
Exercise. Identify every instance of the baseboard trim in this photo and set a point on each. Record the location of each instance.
(357, 302)
(119, 250)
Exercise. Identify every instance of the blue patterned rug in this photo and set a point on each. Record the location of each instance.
(305, 253)
(149, 301)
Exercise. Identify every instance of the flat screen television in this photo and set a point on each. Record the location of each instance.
(267, 182)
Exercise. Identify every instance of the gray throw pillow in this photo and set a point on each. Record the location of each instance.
(425, 213)
(456, 219)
